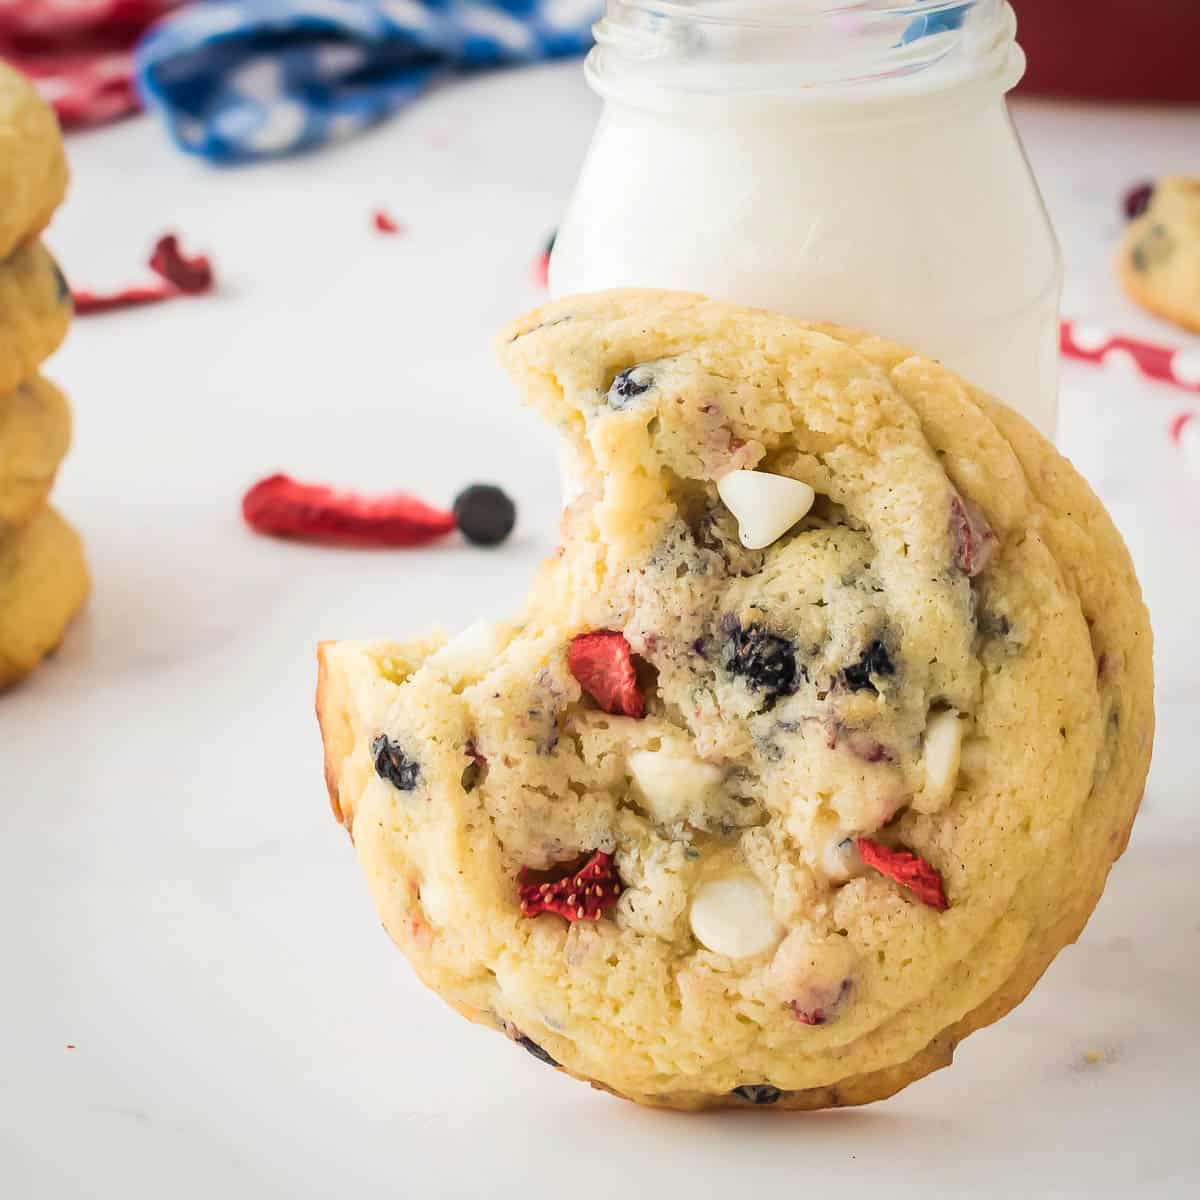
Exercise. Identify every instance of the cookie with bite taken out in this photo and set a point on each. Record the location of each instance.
(814, 743)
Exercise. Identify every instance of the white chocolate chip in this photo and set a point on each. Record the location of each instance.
(471, 654)
(839, 859)
(436, 902)
(766, 506)
(943, 753)
(673, 781)
(811, 972)
(733, 917)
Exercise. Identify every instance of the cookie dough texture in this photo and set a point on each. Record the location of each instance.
(33, 165)
(1159, 259)
(949, 654)
(35, 310)
(43, 584)
(35, 433)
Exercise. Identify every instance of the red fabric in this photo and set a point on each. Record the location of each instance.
(1116, 50)
(79, 53)
(1164, 364)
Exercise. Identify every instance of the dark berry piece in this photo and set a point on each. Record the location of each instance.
(765, 661)
(758, 1093)
(536, 1050)
(1153, 249)
(1137, 200)
(475, 770)
(392, 764)
(875, 662)
(992, 625)
(485, 514)
(62, 287)
(629, 385)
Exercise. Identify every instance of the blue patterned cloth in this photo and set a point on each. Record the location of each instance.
(238, 80)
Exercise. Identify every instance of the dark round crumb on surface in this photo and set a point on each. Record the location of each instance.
(485, 514)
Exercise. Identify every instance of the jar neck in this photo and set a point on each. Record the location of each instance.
(709, 53)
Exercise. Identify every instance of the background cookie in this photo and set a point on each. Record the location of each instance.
(33, 166)
(35, 310)
(815, 742)
(43, 584)
(1159, 258)
(35, 433)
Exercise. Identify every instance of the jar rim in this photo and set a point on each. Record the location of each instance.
(823, 50)
(793, 16)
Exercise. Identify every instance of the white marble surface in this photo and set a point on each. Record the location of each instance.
(196, 1000)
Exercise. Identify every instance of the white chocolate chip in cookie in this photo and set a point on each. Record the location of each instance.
(733, 917)
(839, 860)
(673, 781)
(470, 654)
(436, 902)
(943, 754)
(811, 974)
(766, 506)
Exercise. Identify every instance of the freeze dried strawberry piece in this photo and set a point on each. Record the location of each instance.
(908, 870)
(384, 222)
(281, 506)
(585, 895)
(821, 1010)
(179, 275)
(868, 749)
(133, 297)
(602, 663)
(191, 274)
(974, 541)
(814, 1016)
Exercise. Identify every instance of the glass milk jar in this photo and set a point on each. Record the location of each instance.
(846, 162)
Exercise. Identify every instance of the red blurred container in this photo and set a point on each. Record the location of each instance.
(1112, 49)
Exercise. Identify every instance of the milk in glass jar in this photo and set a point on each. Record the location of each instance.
(845, 162)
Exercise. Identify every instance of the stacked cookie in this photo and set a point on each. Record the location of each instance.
(43, 576)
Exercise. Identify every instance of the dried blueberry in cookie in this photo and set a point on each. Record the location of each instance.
(799, 763)
(766, 662)
(758, 1093)
(629, 384)
(392, 764)
(874, 665)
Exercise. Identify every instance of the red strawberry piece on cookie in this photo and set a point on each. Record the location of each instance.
(602, 663)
